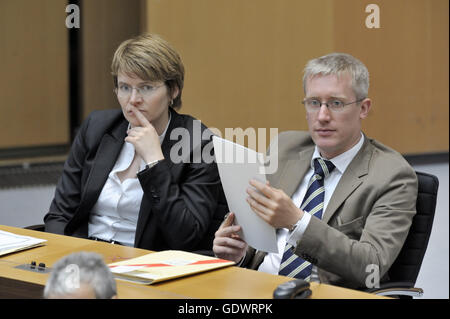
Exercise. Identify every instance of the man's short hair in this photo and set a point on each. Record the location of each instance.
(80, 268)
(337, 64)
(150, 58)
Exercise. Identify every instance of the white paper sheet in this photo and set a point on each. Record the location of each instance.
(10, 242)
(237, 165)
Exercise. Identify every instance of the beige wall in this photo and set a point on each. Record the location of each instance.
(34, 64)
(243, 58)
(408, 62)
(106, 23)
(244, 62)
(34, 100)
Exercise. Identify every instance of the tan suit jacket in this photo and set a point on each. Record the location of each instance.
(367, 218)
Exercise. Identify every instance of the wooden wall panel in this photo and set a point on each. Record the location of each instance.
(407, 58)
(243, 59)
(105, 24)
(244, 62)
(34, 73)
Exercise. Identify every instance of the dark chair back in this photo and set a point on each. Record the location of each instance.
(407, 265)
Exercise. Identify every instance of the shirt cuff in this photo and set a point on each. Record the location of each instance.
(239, 264)
(299, 230)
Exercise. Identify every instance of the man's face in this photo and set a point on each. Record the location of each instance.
(334, 132)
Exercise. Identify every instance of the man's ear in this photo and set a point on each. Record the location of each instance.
(365, 108)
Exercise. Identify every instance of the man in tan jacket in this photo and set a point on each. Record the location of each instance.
(368, 196)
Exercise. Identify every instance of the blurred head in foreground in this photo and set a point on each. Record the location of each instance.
(81, 275)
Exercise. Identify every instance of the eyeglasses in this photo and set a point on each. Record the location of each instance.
(335, 105)
(146, 90)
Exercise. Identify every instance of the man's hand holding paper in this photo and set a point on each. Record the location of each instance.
(273, 205)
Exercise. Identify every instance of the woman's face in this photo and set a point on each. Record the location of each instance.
(152, 99)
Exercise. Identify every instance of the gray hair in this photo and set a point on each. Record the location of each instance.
(337, 64)
(81, 267)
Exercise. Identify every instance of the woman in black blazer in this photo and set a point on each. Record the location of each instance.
(134, 176)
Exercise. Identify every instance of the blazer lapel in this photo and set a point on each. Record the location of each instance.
(293, 172)
(352, 178)
(106, 156)
(166, 146)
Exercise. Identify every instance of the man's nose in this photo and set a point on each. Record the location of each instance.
(323, 113)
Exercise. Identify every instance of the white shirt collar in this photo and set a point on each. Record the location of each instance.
(343, 160)
(161, 137)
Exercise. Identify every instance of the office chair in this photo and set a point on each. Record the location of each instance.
(405, 269)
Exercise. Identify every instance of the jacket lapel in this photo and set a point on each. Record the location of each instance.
(292, 172)
(166, 146)
(105, 158)
(352, 178)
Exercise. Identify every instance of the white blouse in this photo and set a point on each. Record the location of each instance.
(114, 216)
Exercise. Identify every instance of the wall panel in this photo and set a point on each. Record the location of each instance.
(244, 62)
(106, 23)
(407, 58)
(243, 59)
(34, 73)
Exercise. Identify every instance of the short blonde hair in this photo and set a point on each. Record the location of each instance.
(150, 58)
(336, 64)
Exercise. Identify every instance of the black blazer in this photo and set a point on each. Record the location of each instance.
(183, 203)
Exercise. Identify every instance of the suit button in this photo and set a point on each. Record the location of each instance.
(307, 257)
(155, 198)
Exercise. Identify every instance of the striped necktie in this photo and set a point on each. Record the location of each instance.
(292, 265)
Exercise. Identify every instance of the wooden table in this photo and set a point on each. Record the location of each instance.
(225, 283)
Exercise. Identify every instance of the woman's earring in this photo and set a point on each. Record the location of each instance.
(171, 103)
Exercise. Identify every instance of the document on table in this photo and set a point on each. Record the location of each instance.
(165, 265)
(237, 165)
(10, 243)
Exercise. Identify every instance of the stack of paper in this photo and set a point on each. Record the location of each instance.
(10, 243)
(165, 265)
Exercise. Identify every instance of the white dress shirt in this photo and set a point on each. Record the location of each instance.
(114, 216)
(272, 261)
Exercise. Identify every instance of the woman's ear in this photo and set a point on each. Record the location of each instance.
(175, 92)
